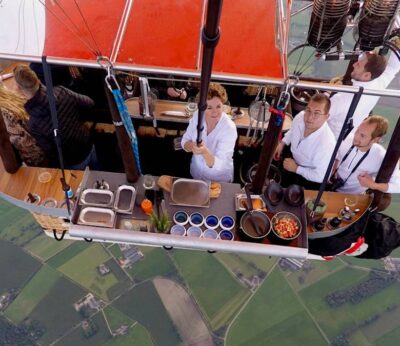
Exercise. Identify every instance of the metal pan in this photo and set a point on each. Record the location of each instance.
(125, 199)
(97, 198)
(190, 193)
(100, 217)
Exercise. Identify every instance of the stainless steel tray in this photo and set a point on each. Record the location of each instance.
(125, 199)
(190, 193)
(242, 197)
(100, 217)
(97, 198)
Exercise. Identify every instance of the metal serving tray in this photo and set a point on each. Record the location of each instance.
(125, 199)
(100, 217)
(242, 197)
(190, 193)
(97, 198)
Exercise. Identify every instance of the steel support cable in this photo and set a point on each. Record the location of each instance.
(54, 119)
(305, 67)
(344, 33)
(88, 29)
(75, 25)
(348, 122)
(86, 44)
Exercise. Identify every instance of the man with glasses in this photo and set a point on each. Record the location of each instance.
(360, 157)
(311, 145)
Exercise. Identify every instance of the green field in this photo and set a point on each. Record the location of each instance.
(82, 269)
(34, 291)
(144, 305)
(77, 337)
(19, 228)
(319, 270)
(215, 289)
(16, 266)
(45, 247)
(388, 339)
(67, 254)
(116, 251)
(155, 262)
(274, 316)
(123, 280)
(332, 321)
(387, 321)
(116, 318)
(56, 310)
(246, 265)
(138, 335)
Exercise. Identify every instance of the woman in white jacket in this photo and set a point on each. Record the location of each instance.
(213, 157)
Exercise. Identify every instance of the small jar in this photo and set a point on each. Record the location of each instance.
(147, 206)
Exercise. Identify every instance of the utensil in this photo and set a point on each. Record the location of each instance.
(249, 208)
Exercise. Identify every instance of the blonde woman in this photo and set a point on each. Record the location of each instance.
(15, 118)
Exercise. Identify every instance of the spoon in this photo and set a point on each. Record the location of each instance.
(249, 209)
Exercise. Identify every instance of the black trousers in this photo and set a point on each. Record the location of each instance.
(289, 178)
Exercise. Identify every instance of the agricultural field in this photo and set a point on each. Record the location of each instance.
(317, 270)
(56, 311)
(87, 275)
(21, 230)
(45, 247)
(270, 314)
(23, 266)
(155, 262)
(332, 321)
(246, 265)
(67, 254)
(77, 338)
(387, 339)
(124, 282)
(116, 318)
(33, 292)
(143, 304)
(217, 292)
(137, 335)
(116, 251)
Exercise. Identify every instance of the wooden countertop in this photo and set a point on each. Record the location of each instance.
(26, 179)
(164, 105)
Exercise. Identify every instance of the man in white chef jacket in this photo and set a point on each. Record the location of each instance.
(311, 145)
(371, 71)
(360, 156)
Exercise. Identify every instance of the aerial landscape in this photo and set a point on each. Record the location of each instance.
(70, 292)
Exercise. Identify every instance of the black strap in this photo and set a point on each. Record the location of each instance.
(54, 119)
(355, 167)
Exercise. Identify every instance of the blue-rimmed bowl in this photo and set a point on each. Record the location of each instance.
(210, 234)
(196, 219)
(181, 218)
(178, 230)
(227, 223)
(194, 232)
(226, 235)
(211, 221)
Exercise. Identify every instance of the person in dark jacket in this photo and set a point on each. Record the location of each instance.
(77, 147)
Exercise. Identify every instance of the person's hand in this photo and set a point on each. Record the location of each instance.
(200, 149)
(290, 165)
(278, 151)
(173, 92)
(183, 94)
(366, 180)
(189, 146)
